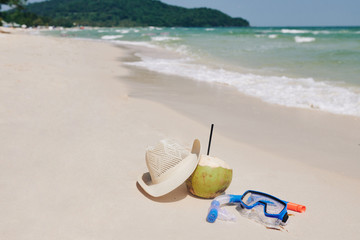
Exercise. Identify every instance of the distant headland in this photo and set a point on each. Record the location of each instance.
(119, 13)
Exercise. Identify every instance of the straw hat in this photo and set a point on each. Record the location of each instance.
(169, 164)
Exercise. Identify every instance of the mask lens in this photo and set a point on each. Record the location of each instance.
(273, 206)
(257, 214)
(250, 199)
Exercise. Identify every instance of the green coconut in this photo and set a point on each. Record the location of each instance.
(211, 177)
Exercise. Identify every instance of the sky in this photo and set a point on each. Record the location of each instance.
(283, 12)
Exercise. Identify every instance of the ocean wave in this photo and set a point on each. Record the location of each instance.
(299, 39)
(183, 50)
(111, 37)
(272, 36)
(131, 43)
(154, 28)
(315, 32)
(294, 31)
(291, 92)
(164, 38)
(73, 29)
(321, 32)
(122, 31)
(267, 31)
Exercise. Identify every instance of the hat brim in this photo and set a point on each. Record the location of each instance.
(188, 166)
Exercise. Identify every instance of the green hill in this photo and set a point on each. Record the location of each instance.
(127, 13)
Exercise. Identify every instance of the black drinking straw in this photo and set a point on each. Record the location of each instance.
(211, 131)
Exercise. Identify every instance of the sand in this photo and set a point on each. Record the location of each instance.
(75, 123)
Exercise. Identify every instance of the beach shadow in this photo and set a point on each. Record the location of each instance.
(176, 195)
(201, 198)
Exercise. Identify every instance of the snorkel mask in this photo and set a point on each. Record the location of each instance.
(258, 206)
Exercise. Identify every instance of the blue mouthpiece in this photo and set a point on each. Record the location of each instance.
(212, 216)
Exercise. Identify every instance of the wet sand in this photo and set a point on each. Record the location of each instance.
(319, 139)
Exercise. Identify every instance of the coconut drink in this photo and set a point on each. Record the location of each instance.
(211, 177)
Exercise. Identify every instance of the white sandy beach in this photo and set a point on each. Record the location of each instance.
(74, 127)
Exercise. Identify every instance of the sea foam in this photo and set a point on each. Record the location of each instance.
(123, 31)
(164, 38)
(111, 37)
(154, 28)
(141, 44)
(294, 31)
(281, 90)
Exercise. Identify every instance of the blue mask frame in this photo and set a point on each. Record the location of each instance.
(283, 216)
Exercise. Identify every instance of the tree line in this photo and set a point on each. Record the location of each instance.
(119, 13)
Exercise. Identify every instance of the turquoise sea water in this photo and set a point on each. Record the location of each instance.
(306, 67)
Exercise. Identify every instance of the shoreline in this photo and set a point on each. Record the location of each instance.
(283, 84)
(74, 127)
(309, 136)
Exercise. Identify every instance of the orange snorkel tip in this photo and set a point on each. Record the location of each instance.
(296, 207)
